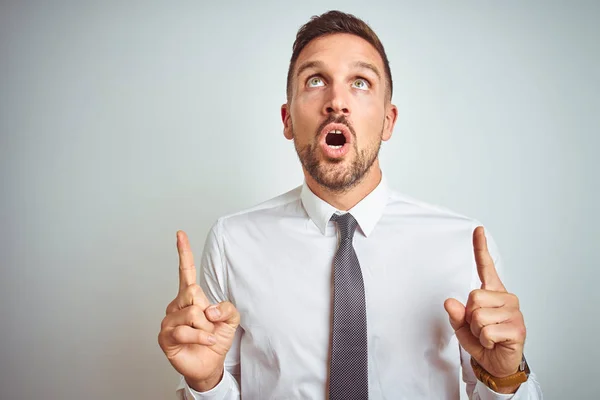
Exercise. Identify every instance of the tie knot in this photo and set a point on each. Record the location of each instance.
(346, 224)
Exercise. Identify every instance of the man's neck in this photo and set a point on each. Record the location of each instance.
(344, 201)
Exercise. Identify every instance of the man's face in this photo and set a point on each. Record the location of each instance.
(338, 113)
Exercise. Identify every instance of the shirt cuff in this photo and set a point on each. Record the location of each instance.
(225, 389)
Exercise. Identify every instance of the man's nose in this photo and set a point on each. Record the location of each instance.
(337, 103)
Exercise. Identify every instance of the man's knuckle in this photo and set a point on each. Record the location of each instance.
(196, 320)
(190, 312)
(474, 330)
(161, 340)
(171, 306)
(514, 300)
(164, 324)
(486, 331)
(479, 294)
(475, 296)
(197, 309)
(521, 331)
(177, 333)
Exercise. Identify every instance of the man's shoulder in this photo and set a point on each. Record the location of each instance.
(408, 206)
(284, 204)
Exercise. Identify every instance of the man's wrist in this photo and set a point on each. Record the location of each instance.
(510, 389)
(204, 385)
(503, 385)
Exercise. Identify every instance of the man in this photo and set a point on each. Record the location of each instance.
(343, 288)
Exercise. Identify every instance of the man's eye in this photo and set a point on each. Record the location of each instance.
(361, 83)
(315, 81)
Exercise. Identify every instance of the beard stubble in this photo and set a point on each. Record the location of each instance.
(329, 172)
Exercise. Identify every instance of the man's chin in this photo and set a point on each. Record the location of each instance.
(334, 174)
(334, 177)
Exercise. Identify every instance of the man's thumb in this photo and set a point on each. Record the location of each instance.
(456, 311)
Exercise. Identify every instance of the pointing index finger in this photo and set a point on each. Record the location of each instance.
(485, 264)
(187, 269)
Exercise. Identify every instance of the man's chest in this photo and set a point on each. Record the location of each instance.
(286, 290)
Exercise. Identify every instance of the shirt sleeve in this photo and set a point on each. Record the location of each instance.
(227, 389)
(477, 390)
(213, 282)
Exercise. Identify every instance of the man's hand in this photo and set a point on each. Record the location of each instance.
(195, 335)
(491, 327)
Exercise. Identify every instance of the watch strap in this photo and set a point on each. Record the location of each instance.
(496, 383)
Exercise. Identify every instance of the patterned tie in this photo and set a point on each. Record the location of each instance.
(348, 373)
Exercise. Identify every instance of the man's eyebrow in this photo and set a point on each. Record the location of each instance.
(369, 66)
(308, 65)
(319, 64)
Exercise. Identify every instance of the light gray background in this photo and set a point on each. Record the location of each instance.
(121, 123)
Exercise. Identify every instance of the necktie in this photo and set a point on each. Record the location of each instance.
(348, 370)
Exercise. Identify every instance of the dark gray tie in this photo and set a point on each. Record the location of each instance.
(348, 371)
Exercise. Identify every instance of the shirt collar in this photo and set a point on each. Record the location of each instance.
(367, 212)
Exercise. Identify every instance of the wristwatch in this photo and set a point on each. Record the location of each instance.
(495, 383)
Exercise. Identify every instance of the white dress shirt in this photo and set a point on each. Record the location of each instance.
(274, 263)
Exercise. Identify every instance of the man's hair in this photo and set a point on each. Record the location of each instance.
(336, 22)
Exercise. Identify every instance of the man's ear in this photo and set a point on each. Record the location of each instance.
(391, 116)
(287, 122)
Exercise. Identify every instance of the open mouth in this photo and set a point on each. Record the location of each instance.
(335, 139)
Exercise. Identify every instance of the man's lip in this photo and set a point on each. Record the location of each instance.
(335, 127)
(330, 152)
(333, 153)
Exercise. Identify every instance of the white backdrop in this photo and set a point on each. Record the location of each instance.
(121, 123)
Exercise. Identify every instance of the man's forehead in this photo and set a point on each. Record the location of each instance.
(354, 50)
